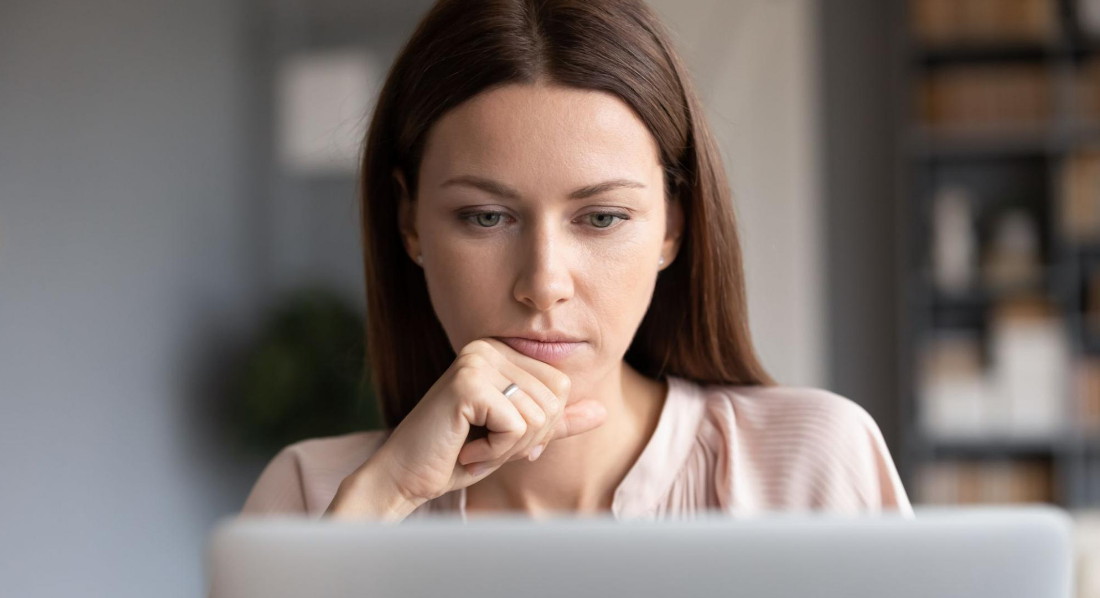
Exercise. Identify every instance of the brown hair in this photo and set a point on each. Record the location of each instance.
(696, 326)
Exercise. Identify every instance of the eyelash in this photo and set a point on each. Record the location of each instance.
(469, 217)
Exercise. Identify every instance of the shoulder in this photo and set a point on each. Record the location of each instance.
(307, 473)
(797, 423)
(792, 414)
(806, 446)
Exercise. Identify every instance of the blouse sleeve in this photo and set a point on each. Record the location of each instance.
(803, 448)
(279, 488)
(877, 477)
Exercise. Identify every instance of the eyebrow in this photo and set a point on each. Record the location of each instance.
(501, 190)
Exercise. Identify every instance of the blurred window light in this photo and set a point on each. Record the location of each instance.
(322, 107)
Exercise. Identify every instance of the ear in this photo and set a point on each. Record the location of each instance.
(674, 231)
(406, 216)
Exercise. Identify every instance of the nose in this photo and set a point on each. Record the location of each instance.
(544, 279)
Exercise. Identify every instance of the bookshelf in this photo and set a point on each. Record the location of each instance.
(999, 259)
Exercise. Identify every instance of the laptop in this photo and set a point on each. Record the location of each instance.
(1022, 551)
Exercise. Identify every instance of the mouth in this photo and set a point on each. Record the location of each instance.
(546, 351)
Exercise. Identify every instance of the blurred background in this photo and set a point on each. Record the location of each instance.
(917, 182)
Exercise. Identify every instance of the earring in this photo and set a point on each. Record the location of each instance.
(420, 259)
(661, 262)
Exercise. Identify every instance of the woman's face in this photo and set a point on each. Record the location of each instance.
(541, 210)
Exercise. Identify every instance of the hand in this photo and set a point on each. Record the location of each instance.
(430, 452)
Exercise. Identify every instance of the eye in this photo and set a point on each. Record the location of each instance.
(483, 219)
(605, 219)
(488, 219)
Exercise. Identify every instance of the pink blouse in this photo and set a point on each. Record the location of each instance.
(733, 449)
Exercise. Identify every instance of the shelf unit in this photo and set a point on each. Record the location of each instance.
(1010, 165)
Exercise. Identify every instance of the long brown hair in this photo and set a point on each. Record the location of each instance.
(697, 325)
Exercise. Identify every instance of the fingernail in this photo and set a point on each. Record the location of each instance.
(479, 469)
(536, 452)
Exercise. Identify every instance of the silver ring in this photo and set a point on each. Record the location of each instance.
(512, 388)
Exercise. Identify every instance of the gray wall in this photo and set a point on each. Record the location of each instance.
(858, 54)
(754, 65)
(125, 262)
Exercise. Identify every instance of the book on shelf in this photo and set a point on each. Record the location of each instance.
(985, 98)
(993, 481)
(1092, 304)
(983, 22)
(1079, 205)
(1086, 393)
(1087, 91)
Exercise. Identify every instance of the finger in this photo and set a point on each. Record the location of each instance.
(534, 419)
(551, 405)
(580, 417)
(466, 476)
(548, 386)
(504, 422)
(577, 418)
(554, 379)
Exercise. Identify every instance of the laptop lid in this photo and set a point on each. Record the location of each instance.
(971, 552)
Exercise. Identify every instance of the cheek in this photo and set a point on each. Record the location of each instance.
(621, 292)
(463, 280)
(466, 297)
(465, 272)
(617, 287)
(625, 263)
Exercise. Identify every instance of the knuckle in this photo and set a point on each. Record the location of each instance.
(554, 401)
(521, 429)
(472, 360)
(561, 385)
(556, 408)
(467, 375)
(538, 420)
(477, 347)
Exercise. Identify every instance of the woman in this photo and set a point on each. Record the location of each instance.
(556, 308)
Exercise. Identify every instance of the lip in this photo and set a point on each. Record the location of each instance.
(543, 351)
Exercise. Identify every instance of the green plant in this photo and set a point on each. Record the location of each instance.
(304, 377)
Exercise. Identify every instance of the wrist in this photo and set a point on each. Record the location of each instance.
(372, 493)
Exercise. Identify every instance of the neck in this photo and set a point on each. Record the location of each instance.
(579, 474)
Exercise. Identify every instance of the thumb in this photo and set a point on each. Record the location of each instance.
(580, 417)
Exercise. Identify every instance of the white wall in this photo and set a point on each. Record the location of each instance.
(754, 64)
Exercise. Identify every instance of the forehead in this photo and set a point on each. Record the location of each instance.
(541, 135)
